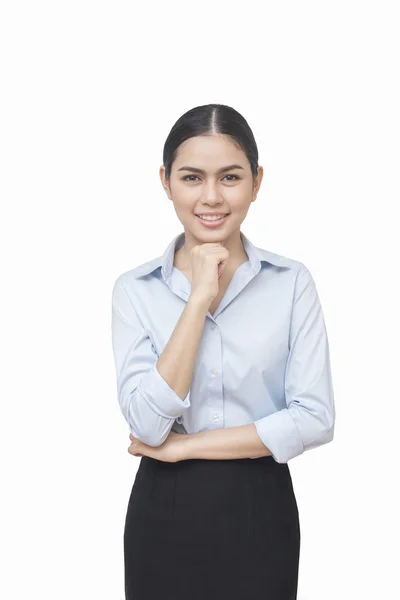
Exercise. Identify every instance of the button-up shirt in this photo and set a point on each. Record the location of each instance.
(263, 356)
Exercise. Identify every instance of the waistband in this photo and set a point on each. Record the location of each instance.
(268, 462)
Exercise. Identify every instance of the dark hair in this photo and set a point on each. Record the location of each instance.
(206, 120)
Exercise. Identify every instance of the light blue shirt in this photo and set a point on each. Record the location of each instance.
(263, 357)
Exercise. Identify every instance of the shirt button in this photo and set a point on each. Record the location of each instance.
(212, 326)
(215, 417)
(214, 373)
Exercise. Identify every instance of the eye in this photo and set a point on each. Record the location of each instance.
(187, 177)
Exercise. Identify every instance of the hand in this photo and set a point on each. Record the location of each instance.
(207, 262)
(170, 451)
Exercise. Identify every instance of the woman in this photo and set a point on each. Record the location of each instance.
(223, 376)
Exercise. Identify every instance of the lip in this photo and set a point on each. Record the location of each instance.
(213, 224)
(211, 214)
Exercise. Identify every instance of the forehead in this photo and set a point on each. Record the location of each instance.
(214, 150)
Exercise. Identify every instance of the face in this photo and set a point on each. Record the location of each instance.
(211, 174)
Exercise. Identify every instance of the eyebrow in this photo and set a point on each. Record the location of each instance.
(196, 170)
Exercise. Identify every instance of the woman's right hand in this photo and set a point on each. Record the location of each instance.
(207, 264)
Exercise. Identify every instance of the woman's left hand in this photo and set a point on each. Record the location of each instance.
(170, 451)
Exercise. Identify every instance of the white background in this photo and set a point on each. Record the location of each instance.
(89, 93)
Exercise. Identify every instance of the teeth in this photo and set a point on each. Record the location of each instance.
(210, 218)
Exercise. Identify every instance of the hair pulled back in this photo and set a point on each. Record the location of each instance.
(210, 119)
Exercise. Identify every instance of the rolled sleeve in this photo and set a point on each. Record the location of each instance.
(155, 391)
(309, 419)
(149, 405)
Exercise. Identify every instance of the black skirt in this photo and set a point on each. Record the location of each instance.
(212, 530)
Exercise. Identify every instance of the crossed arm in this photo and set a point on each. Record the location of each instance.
(229, 443)
(217, 444)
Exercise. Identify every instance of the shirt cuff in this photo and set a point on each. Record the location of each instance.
(160, 396)
(280, 435)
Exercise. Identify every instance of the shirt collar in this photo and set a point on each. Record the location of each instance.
(256, 257)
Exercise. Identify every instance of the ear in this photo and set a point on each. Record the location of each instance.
(257, 182)
(164, 182)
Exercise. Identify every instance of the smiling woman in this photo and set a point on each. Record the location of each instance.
(223, 376)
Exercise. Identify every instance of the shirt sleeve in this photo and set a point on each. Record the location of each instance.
(149, 405)
(309, 419)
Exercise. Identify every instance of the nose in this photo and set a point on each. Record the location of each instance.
(211, 195)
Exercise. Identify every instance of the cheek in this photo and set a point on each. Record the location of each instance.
(238, 197)
(184, 197)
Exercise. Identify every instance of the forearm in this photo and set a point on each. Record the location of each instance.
(177, 361)
(223, 444)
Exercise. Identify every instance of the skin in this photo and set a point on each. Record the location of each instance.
(172, 450)
(231, 191)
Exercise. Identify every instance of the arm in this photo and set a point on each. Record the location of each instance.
(224, 444)
(309, 419)
(176, 363)
(153, 391)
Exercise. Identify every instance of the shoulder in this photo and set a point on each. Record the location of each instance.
(145, 268)
(280, 260)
